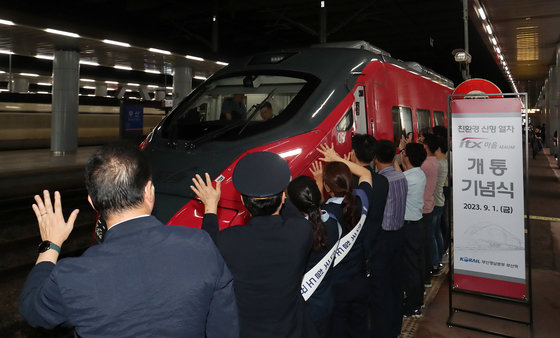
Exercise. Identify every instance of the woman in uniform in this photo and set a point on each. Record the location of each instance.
(350, 286)
(305, 195)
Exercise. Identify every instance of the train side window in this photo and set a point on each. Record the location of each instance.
(438, 118)
(347, 121)
(402, 122)
(423, 120)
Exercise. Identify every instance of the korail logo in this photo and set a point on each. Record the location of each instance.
(469, 260)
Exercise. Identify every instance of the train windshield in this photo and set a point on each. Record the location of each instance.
(231, 108)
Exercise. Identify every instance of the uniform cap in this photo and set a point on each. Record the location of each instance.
(261, 174)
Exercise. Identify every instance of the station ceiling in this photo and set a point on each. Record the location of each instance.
(425, 31)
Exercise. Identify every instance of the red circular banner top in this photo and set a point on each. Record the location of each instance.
(477, 86)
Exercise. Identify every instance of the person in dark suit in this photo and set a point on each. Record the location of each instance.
(144, 280)
(363, 153)
(268, 255)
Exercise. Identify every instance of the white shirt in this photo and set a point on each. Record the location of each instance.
(416, 180)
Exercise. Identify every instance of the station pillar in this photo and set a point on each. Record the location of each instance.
(182, 83)
(65, 90)
(100, 89)
(556, 105)
(19, 85)
(160, 95)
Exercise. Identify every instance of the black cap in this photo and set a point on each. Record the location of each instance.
(261, 174)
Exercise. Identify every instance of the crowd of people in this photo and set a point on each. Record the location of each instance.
(345, 251)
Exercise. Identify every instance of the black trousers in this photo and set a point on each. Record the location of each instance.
(349, 317)
(413, 265)
(427, 248)
(387, 285)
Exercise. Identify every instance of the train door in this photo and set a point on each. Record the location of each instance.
(360, 110)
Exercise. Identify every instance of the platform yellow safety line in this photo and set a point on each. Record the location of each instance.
(544, 218)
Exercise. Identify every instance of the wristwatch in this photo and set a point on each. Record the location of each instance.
(46, 245)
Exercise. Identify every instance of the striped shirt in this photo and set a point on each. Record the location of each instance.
(393, 218)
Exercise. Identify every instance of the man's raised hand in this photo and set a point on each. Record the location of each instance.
(51, 221)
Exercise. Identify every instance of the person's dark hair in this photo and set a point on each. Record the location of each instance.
(441, 133)
(338, 177)
(431, 141)
(266, 105)
(116, 175)
(416, 153)
(364, 147)
(385, 151)
(305, 195)
(262, 206)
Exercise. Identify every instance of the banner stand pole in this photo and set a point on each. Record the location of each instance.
(452, 287)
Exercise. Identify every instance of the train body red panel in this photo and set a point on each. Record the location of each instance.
(319, 95)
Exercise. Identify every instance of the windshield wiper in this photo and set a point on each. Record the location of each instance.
(233, 125)
(213, 134)
(257, 109)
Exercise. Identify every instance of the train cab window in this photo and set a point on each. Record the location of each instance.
(402, 122)
(438, 118)
(423, 120)
(235, 107)
(347, 121)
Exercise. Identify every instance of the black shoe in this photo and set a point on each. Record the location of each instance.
(436, 271)
(428, 283)
(416, 313)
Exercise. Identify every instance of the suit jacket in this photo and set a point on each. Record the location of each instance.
(144, 280)
(380, 186)
(267, 258)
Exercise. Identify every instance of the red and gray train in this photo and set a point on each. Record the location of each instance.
(322, 94)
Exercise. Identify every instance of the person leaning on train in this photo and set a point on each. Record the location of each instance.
(268, 255)
(144, 280)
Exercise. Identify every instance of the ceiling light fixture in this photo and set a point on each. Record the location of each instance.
(44, 84)
(198, 77)
(89, 63)
(59, 32)
(111, 82)
(88, 87)
(222, 63)
(481, 13)
(7, 22)
(116, 43)
(29, 74)
(122, 67)
(196, 58)
(87, 80)
(44, 57)
(133, 84)
(160, 51)
(494, 41)
(152, 71)
(488, 29)
(5, 51)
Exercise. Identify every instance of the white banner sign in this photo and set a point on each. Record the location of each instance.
(488, 197)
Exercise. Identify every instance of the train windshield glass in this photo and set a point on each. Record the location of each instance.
(235, 107)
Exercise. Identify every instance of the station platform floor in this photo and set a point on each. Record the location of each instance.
(25, 168)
